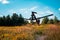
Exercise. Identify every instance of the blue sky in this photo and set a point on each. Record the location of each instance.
(25, 7)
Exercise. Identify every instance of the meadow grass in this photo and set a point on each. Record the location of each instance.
(29, 32)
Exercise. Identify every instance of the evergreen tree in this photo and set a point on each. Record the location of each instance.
(4, 20)
(45, 20)
(8, 20)
(1, 21)
(50, 21)
(55, 20)
(14, 19)
(20, 20)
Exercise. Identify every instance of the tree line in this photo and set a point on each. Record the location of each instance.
(18, 20)
(13, 20)
(46, 20)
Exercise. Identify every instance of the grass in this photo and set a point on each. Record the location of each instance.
(28, 32)
(16, 33)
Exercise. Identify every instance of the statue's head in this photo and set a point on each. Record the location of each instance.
(34, 12)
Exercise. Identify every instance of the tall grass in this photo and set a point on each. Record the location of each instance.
(29, 32)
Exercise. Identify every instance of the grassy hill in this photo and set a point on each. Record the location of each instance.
(30, 32)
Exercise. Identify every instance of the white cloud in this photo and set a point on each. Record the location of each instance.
(28, 10)
(4, 1)
(59, 9)
(1, 15)
(42, 12)
(49, 12)
(33, 8)
(46, 12)
(11, 11)
(24, 10)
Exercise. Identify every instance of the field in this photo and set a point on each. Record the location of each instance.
(30, 32)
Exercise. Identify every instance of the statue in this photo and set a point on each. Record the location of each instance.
(33, 17)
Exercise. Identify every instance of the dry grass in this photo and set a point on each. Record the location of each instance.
(29, 31)
(16, 33)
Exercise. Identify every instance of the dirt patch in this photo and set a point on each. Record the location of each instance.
(42, 37)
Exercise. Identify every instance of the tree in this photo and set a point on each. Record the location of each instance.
(8, 20)
(1, 21)
(55, 20)
(4, 20)
(20, 20)
(50, 21)
(14, 19)
(45, 20)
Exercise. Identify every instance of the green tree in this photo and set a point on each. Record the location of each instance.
(20, 20)
(55, 20)
(45, 20)
(14, 19)
(1, 21)
(50, 21)
(8, 20)
(4, 20)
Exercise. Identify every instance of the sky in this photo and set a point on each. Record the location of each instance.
(25, 7)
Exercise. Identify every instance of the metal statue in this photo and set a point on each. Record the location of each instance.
(33, 17)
